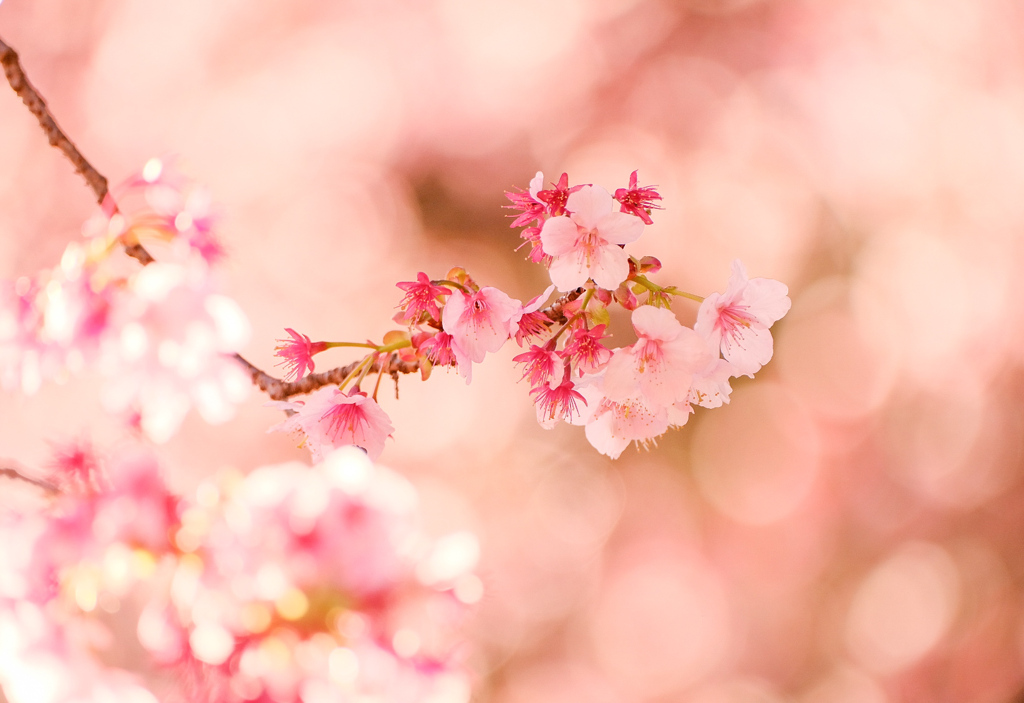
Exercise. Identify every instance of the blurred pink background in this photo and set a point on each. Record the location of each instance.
(848, 529)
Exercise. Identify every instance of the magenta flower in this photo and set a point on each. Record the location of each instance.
(421, 296)
(530, 208)
(559, 402)
(439, 349)
(585, 351)
(539, 365)
(738, 320)
(328, 419)
(533, 322)
(557, 197)
(480, 322)
(297, 354)
(661, 364)
(586, 243)
(638, 201)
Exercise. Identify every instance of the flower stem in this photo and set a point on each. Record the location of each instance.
(670, 290)
(364, 345)
(365, 363)
(453, 284)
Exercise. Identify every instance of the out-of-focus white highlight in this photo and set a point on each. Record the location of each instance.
(903, 608)
(211, 643)
(451, 557)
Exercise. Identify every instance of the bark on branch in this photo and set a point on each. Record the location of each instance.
(16, 475)
(277, 389)
(37, 106)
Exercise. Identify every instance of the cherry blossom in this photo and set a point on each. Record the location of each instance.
(557, 402)
(529, 205)
(534, 322)
(539, 364)
(586, 243)
(480, 322)
(738, 320)
(328, 418)
(611, 425)
(638, 201)
(557, 197)
(166, 346)
(585, 351)
(661, 364)
(421, 296)
(297, 353)
(711, 387)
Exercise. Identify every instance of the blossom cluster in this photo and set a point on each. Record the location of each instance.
(291, 583)
(621, 395)
(313, 583)
(158, 334)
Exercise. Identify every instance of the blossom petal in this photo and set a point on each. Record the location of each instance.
(559, 235)
(610, 267)
(568, 272)
(767, 299)
(748, 349)
(620, 227)
(588, 205)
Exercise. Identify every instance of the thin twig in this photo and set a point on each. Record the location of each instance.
(555, 311)
(37, 106)
(13, 473)
(277, 389)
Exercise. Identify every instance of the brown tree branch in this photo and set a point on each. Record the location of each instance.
(12, 473)
(277, 389)
(37, 106)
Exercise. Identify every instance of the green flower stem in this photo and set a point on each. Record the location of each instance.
(361, 367)
(670, 290)
(393, 346)
(364, 345)
(453, 284)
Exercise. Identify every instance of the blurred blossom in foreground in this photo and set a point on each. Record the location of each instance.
(158, 333)
(291, 583)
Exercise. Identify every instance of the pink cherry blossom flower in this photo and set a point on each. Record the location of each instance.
(555, 403)
(329, 418)
(556, 198)
(533, 323)
(297, 354)
(738, 320)
(168, 349)
(540, 364)
(585, 351)
(638, 201)
(439, 349)
(531, 209)
(421, 296)
(532, 237)
(480, 322)
(611, 425)
(586, 243)
(711, 387)
(75, 467)
(662, 362)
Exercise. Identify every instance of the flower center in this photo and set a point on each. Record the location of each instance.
(344, 417)
(732, 317)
